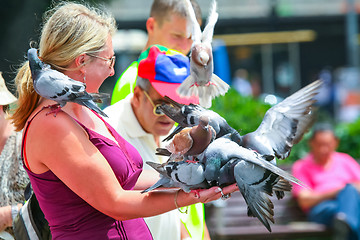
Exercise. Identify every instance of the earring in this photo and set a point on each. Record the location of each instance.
(84, 79)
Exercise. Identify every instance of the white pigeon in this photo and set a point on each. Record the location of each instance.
(202, 82)
(54, 85)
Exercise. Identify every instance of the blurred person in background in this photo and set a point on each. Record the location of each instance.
(333, 179)
(166, 26)
(13, 178)
(241, 83)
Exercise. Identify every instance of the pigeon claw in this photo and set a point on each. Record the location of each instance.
(55, 108)
(197, 192)
(191, 161)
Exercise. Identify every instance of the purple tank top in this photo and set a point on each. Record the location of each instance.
(70, 217)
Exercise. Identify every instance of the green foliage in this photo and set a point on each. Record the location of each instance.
(349, 136)
(242, 113)
(245, 115)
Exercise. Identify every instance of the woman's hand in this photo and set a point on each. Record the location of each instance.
(214, 193)
(204, 195)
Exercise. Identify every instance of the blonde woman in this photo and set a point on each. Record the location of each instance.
(81, 170)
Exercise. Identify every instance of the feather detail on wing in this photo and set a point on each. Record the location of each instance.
(208, 32)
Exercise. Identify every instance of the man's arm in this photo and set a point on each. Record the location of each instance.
(307, 198)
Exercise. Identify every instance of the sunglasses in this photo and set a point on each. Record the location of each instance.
(157, 111)
(111, 60)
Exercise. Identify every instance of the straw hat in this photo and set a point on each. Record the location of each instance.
(6, 96)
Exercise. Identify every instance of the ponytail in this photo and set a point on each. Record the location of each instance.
(28, 98)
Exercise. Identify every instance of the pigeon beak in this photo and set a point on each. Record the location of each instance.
(204, 58)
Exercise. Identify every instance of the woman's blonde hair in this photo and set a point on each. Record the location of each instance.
(70, 29)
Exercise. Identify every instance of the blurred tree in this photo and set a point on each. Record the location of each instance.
(349, 135)
(20, 23)
(242, 113)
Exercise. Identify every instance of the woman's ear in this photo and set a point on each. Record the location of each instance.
(80, 61)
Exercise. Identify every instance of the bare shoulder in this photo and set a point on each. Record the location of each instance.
(48, 138)
(49, 126)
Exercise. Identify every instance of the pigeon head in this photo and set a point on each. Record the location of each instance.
(201, 55)
(204, 58)
(34, 62)
(202, 135)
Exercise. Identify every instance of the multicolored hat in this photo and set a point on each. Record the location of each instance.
(166, 69)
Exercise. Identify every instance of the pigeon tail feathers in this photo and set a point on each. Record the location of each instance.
(162, 181)
(184, 89)
(92, 105)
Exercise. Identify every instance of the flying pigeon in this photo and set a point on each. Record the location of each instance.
(54, 85)
(182, 174)
(282, 126)
(191, 141)
(202, 81)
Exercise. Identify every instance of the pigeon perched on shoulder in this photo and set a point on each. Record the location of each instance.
(182, 174)
(202, 81)
(54, 85)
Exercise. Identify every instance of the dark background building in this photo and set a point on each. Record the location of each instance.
(283, 44)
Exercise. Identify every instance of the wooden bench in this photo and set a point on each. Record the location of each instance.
(227, 220)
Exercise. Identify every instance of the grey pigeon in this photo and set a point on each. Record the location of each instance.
(202, 81)
(224, 149)
(226, 162)
(189, 116)
(282, 126)
(222, 163)
(182, 174)
(54, 85)
(255, 185)
(190, 142)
